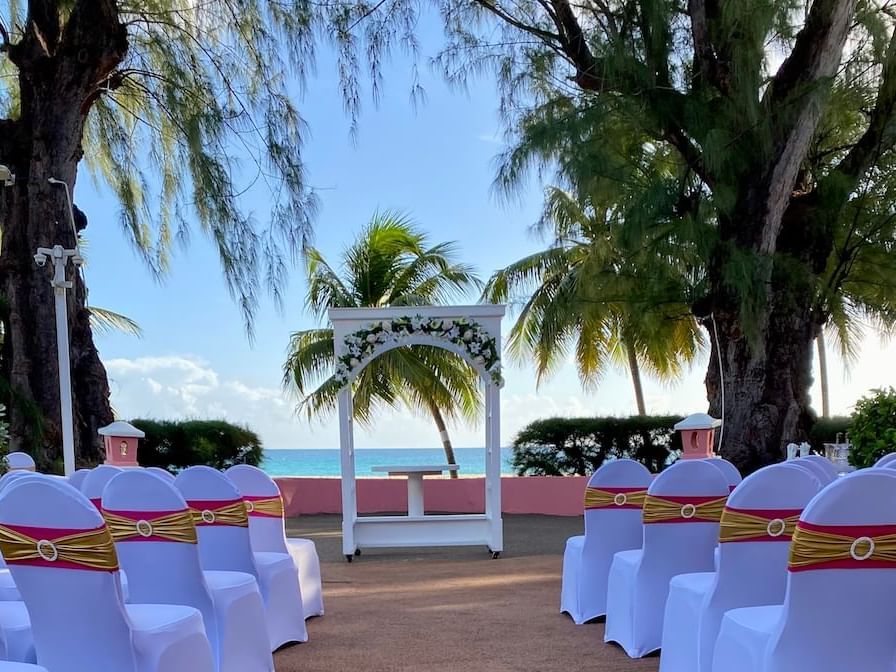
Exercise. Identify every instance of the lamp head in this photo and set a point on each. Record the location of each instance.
(40, 259)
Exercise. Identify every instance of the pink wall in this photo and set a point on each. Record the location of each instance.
(550, 495)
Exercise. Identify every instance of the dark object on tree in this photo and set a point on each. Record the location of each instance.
(175, 445)
(579, 446)
(873, 429)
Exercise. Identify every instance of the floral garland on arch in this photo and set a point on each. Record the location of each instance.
(469, 335)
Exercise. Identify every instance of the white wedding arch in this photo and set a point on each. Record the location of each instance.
(474, 333)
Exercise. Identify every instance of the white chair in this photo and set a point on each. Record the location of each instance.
(222, 525)
(6, 666)
(19, 461)
(825, 464)
(76, 480)
(155, 539)
(9, 592)
(757, 524)
(838, 611)
(95, 482)
(62, 558)
(727, 468)
(681, 528)
(613, 501)
(164, 473)
(886, 460)
(824, 475)
(267, 530)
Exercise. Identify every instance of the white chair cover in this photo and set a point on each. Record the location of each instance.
(19, 461)
(823, 474)
(750, 572)
(164, 571)
(825, 464)
(732, 475)
(164, 473)
(76, 480)
(6, 666)
(885, 460)
(639, 579)
(268, 534)
(608, 530)
(95, 482)
(837, 615)
(78, 619)
(228, 547)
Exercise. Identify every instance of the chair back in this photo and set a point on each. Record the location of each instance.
(222, 523)
(156, 543)
(886, 460)
(727, 468)
(11, 477)
(62, 559)
(76, 480)
(825, 464)
(163, 473)
(821, 472)
(95, 482)
(681, 517)
(19, 461)
(264, 505)
(841, 583)
(614, 500)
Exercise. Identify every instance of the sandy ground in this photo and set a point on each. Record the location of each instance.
(441, 610)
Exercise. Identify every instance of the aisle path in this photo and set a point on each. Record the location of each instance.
(451, 610)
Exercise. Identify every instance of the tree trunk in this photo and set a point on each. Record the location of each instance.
(443, 434)
(823, 374)
(60, 69)
(636, 379)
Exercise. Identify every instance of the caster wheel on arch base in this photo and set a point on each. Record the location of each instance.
(357, 552)
(495, 554)
(349, 557)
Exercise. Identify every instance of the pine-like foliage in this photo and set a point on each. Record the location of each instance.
(202, 110)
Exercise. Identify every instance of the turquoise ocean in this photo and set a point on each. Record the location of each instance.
(325, 461)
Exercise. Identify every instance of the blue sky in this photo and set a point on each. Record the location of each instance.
(435, 161)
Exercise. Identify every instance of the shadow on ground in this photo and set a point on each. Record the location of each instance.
(450, 609)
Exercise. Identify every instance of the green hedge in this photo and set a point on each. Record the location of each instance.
(568, 446)
(175, 445)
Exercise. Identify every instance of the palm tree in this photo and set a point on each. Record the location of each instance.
(585, 290)
(391, 263)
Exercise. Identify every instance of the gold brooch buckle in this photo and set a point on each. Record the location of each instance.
(144, 528)
(250, 505)
(853, 549)
(688, 511)
(208, 516)
(620, 499)
(775, 527)
(47, 550)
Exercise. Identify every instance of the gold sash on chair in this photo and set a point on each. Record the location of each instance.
(842, 547)
(219, 512)
(151, 526)
(264, 507)
(683, 509)
(758, 525)
(614, 498)
(48, 547)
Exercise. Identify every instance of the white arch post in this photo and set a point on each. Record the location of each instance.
(473, 332)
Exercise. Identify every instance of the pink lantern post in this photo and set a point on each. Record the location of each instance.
(120, 439)
(698, 432)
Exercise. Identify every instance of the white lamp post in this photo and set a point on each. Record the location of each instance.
(60, 256)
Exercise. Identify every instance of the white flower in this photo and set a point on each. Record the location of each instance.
(371, 338)
(479, 360)
(474, 348)
(468, 335)
(381, 337)
(387, 326)
(353, 362)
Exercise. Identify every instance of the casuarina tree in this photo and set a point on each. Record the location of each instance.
(179, 108)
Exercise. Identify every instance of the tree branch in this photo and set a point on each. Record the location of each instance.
(4, 34)
(880, 135)
(706, 60)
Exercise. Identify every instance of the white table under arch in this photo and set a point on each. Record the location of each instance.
(472, 332)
